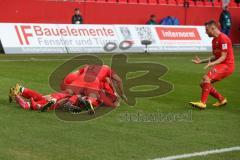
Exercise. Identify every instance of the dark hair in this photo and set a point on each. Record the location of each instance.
(152, 16)
(76, 9)
(210, 23)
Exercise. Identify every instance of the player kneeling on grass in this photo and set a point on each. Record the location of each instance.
(31, 100)
(222, 65)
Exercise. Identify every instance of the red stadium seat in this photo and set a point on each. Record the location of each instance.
(199, 3)
(180, 2)
(122, 1)
(153, 1)
(103, 1)
(142, 1)
(191, 3)
(162, 2)
(112, 1)
(208, 4)
(217, 4)
(171, 2)
(233, 4)
(133, 1)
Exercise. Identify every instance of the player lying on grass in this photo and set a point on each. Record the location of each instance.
(97, 82)
(84, 84)
(222, 65)
(32, 100)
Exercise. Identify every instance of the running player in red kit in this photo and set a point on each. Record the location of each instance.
(222, 66)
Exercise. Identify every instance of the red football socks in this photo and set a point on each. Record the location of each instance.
(205, 91)
(216, 94)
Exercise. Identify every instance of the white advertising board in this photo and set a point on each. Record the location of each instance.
(63, 38)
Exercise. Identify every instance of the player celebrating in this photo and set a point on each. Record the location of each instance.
(30, 99)
(222, 65)
(95, 82)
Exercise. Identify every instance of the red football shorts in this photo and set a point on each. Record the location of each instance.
(220, 71)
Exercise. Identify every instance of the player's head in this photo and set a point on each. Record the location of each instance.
(153, 17)
(225, 8)
(211, 28)
(77, 11)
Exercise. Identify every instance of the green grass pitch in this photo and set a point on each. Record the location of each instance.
(31, 135)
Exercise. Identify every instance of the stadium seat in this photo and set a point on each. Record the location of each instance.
(180, 2)
(233, 4)
(199, 3)
(191, 3)
(171, 2)
(217, 4)
(163, 2)
(103, 1)
(112, 1)
(142, 1)
(90, 0)
(153, 1)
(133, 1)
(208, 4)
(80, 1)
(122, 1)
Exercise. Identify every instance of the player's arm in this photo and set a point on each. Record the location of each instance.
(217, 61)
(119, 85)
(224, 51)
(118, 80)
(197, 60)
(111, 84)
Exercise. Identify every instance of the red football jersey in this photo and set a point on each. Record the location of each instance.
(69, 79)
(98, 71)
(223, 44)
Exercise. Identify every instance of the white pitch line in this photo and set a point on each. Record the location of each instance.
(32, 60)
(204, 153)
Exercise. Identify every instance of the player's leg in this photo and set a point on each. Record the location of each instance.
(53, 99)
(38, 105)
(109, 100)
(91, 97)
(215, 94)
(72, 104)
(24, 92)
(206, 86)
(77, 103)
(27, 93)
(218, 73)
(58, 104)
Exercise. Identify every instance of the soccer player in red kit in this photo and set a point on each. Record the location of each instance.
(92, 82)
(222, 65)
(30, 99)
